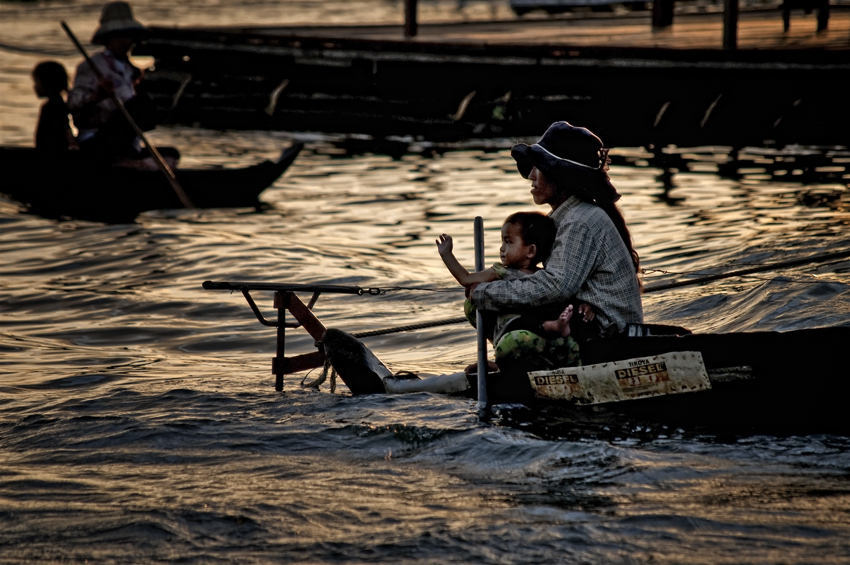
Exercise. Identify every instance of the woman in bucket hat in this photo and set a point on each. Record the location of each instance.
(103, 130)
(593, 259)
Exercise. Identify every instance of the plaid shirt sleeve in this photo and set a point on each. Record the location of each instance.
(589, 262)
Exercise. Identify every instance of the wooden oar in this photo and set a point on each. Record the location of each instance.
(160, 162)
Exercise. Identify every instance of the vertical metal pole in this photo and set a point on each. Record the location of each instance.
(662, 14)
(730, 25)
(479, 321)
(281, 302)
(410, 24)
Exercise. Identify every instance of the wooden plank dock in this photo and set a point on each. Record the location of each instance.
(757, 30)
(630, 83)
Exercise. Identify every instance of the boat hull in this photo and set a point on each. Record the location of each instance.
(780, 382)
(74, 187)
(337, 80)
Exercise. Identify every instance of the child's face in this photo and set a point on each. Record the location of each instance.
(514, 253)
(38, 87)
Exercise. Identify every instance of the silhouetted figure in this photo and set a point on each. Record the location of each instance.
(104, 131)
(53, 133)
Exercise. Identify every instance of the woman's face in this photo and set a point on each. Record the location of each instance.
(120, 44)
(542, 190)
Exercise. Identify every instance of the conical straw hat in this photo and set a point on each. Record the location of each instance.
(117, 18)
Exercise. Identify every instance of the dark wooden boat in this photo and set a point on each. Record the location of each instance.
(521, 7)
(631, 86)
(72, 187)
(779, 382)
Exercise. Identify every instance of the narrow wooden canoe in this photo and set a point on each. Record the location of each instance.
(72, 187)
(776, 382)
(521, 7)
(740, 382)
(633, 87)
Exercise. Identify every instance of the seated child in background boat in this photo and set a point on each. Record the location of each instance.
(53, 133)
(527, 239)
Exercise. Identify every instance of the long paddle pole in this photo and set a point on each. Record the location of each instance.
(479, 322)
(160, 162)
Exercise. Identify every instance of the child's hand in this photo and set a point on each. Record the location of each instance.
(444, 244)
(586, 312)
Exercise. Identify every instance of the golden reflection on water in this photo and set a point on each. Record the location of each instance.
(139, 407)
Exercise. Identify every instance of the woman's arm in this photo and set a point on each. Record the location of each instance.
(568, 267)
(85, 90)
(461, 275)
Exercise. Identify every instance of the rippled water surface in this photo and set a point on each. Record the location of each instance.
(138, 418)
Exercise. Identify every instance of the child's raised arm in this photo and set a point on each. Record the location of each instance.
(464, 277)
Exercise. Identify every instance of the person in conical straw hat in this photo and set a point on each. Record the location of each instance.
(593, 259)
(103, 131)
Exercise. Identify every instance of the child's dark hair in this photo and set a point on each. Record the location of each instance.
(52, 76)
(535, 228)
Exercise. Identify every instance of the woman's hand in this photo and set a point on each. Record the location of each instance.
(444, 244)
(105, 88)
(586, 312)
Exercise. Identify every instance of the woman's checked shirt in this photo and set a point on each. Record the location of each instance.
(589, 262)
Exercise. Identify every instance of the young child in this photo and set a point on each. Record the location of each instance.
(527, 239)
(53, 133)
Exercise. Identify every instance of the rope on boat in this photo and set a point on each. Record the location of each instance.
(317, 289)
(758, 269)
(323, 377)
(411, 327)
(739, 273)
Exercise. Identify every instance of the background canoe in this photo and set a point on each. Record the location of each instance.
(72, 187)
(631, 86)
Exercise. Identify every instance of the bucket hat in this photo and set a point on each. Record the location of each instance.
(117, 18)
(573, 158)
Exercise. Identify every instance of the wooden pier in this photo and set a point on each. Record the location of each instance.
(757, 30)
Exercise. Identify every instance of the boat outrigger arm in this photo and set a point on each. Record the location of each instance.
(364, 373)
(286, 299)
